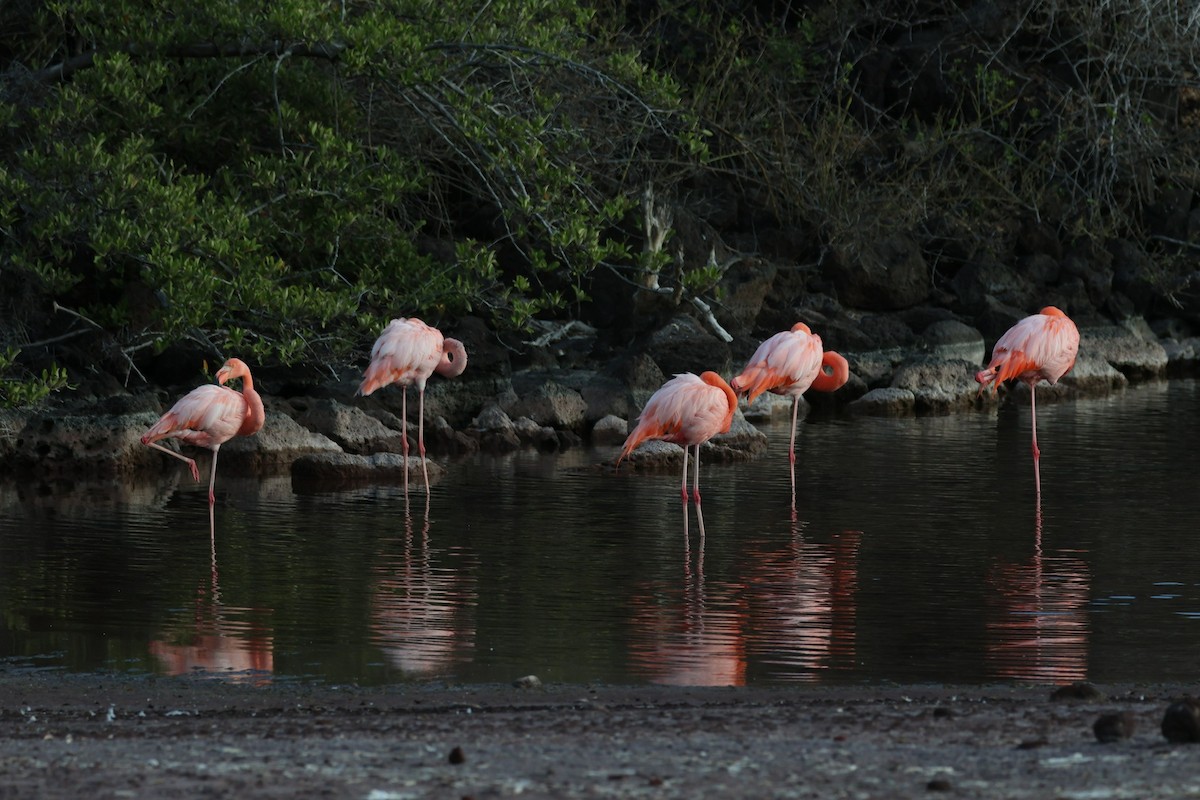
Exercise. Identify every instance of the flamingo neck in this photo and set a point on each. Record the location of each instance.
(255, 413)
(454, 359)
(713, 379)
(836, 377)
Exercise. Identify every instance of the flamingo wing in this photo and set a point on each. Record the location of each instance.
(1039, 346)
(207, 416)
(406, 352)
(787, 363)
(1055, 347)
(686, 410)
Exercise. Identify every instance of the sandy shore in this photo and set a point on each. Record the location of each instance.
(118, 737)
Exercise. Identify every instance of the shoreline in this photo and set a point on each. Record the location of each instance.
(119, 736)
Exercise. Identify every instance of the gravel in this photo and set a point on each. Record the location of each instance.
(111, 736)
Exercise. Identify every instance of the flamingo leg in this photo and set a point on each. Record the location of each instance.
(696, 484)
(404, 438)
(212, 478)
(191, 462)
(1033, 414)
(683, 487)
(792, 445)
(421, 437)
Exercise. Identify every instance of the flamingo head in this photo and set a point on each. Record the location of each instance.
(234, 368)
(454, 359)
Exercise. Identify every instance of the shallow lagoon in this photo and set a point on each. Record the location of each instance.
(917, 552)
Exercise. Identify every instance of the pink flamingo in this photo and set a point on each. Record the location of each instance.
(789, 364)
(1042, 346)
(687, 410)
(408, 352)
(208, 416)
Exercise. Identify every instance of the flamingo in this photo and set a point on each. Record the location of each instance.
(408, 352)
(687, 410)
(789, 364)
(1040, 347)
(208, 416)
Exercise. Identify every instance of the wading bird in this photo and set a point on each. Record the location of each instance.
(789, 364)
(408, 352)
(687, 410)
(1040, 347)
(208, 416)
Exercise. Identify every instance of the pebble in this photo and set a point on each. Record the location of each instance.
(1080, 690)
(1114, 727)
(528, 682)
(457, 756)
(1181, 722)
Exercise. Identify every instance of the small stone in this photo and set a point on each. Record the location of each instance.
(610, 430)
(1114, 727)
(528, 682)
(457, 756)
(938, 785)
(1080, 690)
(1181, 722)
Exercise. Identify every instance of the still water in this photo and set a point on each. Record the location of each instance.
(917, 552)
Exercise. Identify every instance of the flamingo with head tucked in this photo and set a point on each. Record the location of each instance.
(687, 410)
(408, 352)
(1042, 346)
(789, 364)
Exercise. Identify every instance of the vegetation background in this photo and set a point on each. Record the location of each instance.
(188, 180)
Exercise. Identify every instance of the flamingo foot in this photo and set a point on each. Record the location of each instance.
(191, 462)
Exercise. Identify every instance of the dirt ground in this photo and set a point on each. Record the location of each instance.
(66, 736)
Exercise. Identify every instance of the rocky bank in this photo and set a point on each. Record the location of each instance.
(330, 438)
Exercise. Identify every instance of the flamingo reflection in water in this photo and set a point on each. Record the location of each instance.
(419, 608)
(794, 610)
(1037, 624)
(803, 601)
(697, 640)
(216, 641)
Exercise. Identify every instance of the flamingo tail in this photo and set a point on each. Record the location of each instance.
(166, 425)
(754, 380)
(644, 431)
(378, 375)
(1005, 366)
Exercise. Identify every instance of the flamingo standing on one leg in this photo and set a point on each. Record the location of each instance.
(408, 352)
(789, 364)
(1042, 346)
(208, 416)
(687, 410)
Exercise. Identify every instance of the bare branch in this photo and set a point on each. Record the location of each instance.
(94, 324)
(329, 51)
